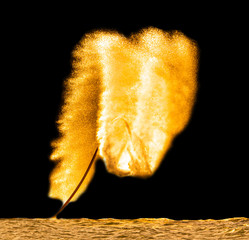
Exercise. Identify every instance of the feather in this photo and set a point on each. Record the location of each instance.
(128, 96)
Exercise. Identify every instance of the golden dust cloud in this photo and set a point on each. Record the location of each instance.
(127, 96)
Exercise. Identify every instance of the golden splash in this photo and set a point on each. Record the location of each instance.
(129, 96)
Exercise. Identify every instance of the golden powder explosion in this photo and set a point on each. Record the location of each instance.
(127, 96)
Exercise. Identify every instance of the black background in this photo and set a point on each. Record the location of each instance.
(204, 175)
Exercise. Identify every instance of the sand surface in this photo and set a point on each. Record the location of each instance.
(146, 228)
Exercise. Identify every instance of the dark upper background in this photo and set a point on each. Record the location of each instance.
(204, 175)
